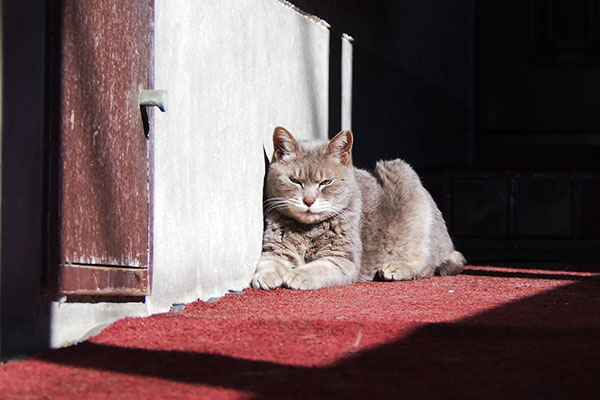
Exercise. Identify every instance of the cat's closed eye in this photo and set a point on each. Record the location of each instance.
(295, 180)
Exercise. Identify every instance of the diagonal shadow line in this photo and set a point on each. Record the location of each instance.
(530, 275)
(527, 348)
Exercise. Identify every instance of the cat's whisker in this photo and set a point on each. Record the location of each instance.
(275, 207)
(275, 199)
(332, 210)
(275, 203)
(296, 202)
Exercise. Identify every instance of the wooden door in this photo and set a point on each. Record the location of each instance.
(103, 60)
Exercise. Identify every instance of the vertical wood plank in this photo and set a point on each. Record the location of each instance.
(104, 194)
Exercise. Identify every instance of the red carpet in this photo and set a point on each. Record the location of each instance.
(489, 333)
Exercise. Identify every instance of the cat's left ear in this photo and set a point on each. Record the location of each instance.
(340, 146)
(284, 143)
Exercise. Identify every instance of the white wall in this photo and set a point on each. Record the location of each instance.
(234, 69)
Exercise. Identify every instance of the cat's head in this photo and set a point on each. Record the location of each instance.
(310, 181)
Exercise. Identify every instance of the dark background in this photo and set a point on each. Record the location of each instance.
(496, 105)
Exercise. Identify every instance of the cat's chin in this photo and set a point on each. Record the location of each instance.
(309, 217)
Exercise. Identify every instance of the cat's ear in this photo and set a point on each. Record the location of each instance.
(283, 143)
(340, 146)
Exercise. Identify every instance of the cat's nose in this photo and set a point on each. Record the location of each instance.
(308, 202)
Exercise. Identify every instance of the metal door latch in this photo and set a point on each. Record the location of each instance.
(151, 98)
(156, 98)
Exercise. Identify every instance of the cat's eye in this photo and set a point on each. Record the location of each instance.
(325, 182)
(296, 181)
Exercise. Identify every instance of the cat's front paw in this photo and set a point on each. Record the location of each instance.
(266, 280)
(398, 271)
(299, 279)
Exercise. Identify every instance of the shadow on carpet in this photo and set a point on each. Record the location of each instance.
(551, 351)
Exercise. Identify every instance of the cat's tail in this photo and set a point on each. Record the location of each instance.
(453, 265)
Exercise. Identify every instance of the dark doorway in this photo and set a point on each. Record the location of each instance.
(496, 105)
(533, 190)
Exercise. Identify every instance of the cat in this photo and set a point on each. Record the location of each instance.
(328, 223)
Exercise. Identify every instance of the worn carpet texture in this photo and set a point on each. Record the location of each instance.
(488, 333)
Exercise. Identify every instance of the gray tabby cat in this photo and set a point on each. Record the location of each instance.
(329, 224)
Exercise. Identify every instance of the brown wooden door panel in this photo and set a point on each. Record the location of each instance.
(106, 281)
(104, 196)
